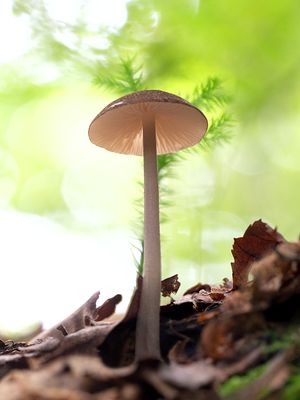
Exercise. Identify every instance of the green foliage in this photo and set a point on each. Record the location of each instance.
(211, 98)
(281, 341)
(292, 388)
(126, 78)
(209, 95)
(219, 131)
(139, 260)
(238, 382)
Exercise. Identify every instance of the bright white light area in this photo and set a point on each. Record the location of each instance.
(9, 173)
(14, 33)
(48, 271)
(110, 13)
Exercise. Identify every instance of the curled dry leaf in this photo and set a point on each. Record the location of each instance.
(213, 296)
(197, 288)
(84, 341)
(76, 321)
(258, 239)
(107, 308)
(276, 278)
(225, 287)
(84, 316)
(170, 286)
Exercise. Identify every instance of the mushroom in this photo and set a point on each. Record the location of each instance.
(148, 122)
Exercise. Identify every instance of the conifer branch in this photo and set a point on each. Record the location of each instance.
(127, 78)
(219, 131)
(209, 95)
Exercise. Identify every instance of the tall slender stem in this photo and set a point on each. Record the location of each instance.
(148, 322)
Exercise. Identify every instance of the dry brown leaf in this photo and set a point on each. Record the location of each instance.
(85, 341)
(258, 239)
(197, 288)
(76, 321)
(170, 286)
(107, 308)
(201, 300)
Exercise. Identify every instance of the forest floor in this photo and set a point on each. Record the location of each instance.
(238, 340)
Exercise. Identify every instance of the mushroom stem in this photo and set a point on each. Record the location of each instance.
(148, 321)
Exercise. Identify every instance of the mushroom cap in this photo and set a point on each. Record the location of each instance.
(119, 126)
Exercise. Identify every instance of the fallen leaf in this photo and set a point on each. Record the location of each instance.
(107, 308)
(170, 285)
(84, 341)
(76, 321)
(258, 239)
(197, 288)
(202, 300)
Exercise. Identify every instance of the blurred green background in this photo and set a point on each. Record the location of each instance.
(60, 64)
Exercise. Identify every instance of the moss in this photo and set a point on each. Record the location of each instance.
(280, 342)
(292, 388)
(237, 382)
